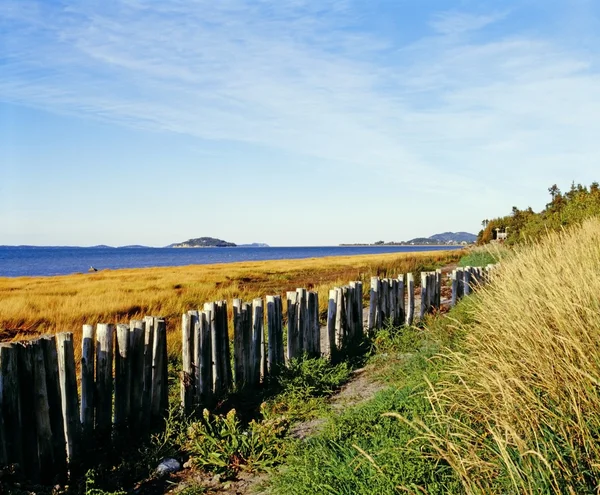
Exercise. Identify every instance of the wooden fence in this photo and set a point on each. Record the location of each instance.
(50, 421)
(49, 425)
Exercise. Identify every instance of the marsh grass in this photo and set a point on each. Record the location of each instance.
(519, 409)
(33, 306)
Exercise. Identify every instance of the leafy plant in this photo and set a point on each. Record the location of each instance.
(220, 444)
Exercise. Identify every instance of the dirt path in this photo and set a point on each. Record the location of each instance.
(361, 387)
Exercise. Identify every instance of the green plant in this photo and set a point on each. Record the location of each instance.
(92, 489)
(222, 445)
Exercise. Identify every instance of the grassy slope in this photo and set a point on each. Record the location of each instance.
(513, 406)
(362, 451)
(48, 304)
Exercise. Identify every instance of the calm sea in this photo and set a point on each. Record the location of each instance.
(47, 261)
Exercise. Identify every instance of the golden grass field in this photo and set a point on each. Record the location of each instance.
(519, 411)
(30, 306)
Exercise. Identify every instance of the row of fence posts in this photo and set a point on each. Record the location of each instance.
(258, 350)
(47, 427)
(465, 280)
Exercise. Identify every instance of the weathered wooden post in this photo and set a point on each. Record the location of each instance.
(122, 408)
(385, 301)
(10, 403)
(424, 295)
(45, 447)
(373, 294)
(401, 302)
(136, 350)
(460, 273)
(314, 329)
(31, 460)
(217, 380)
(360, 318)
(438, 290)
(331, 318)
(225, 353)
(88, 385)
(203, 363)
(274, 328)
(264, 353)
(69, 400)
(187, 362)
(467, 280)
(454, 280)
(104, 377)
(303, 323)
(238, 343)
(48, 344)
(339, 319)
(410, 314)
(256, 350)
(146, 410)
(293, 335)
(349, 312)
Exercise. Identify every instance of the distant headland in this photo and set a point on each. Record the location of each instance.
(446, 238)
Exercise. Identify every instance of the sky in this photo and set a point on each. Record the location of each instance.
(289, 122)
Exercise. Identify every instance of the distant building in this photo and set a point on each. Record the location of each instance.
(501, 236)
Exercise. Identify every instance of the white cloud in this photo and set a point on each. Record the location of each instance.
(300, 76)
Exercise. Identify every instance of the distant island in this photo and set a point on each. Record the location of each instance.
(201, 242)
(446, 238)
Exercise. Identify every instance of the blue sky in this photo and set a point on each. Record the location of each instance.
(291, 122)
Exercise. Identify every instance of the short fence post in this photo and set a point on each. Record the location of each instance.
(314, 329)
(274, 327)
(302, 315)
(146, 410)
(410, 314)
(401, 302)
(55, 404)
(467, 280)
(339, 319)
(122, 376)
(45, 447)
(31, 461)
(225, 360)
(203, 371)
(187, 362)
(10, 405)
(454, 279)
(160, 393)
(331, 318)
(257, 341)
(293, 336)
(69, 400)
(104, 377)
(88, 355)
(238, 344)
(424, 294)
(217, 382)
(373, 293)
(136, 350)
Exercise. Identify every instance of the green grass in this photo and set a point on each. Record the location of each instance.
(364, 451)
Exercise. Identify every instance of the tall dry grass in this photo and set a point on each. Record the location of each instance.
(32, 306)
(520, 410)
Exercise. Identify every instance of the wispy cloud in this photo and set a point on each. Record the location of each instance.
(453, 23)
(307, 77)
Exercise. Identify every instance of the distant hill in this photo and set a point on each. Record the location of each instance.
(254, 244)
(200, 242)
(454, 237)
(434, 240)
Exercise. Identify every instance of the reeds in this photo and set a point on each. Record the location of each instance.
(31, 306)
(519, 412)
